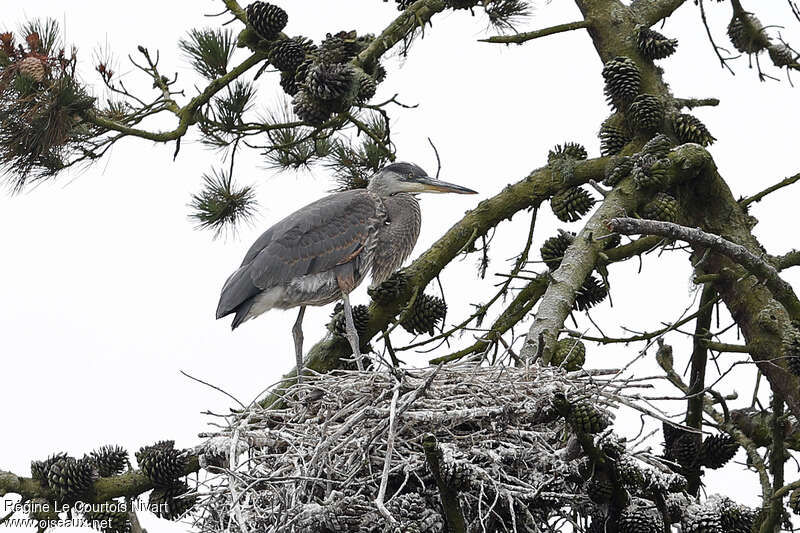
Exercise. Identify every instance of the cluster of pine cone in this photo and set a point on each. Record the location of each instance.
(638, 112)
(71, 480)
(321, 79)
(165, 466)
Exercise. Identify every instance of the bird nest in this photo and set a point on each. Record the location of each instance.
(367, 452)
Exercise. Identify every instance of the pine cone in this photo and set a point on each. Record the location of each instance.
(109, 460)
(267, 20)
(571, 204)
(671, 434)
(162, 463)
(701, 519)
(367, 86)
(309, 110)
(456, 474)
(591, 293)
(658, 146)
(735, 518)
(70, 478)
(646, 112)
(287, 54)
(653, 45)
(689, 129)
(329, 81)
(619, 169)
(781, 55)
(676, 503)
(629, 472)
(424, 315)
(747, 34)
(662, 207)
(339, 48)
(40, 469)
(717, 450)
(407, 507)
(32, 67)
(586, 419)
(171, 501)
(288, 83)
(637, 519)
(622, 80)
(553, 249)
(570, 350)
(649, 172)
(791, 348)
(390, 289)
(567, 150)
(600, 491)
(107, 518)
(348, 513)
(613, 138)
(338, 323)
(684, 450)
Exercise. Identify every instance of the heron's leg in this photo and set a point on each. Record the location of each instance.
(297, 333)
(352, 334)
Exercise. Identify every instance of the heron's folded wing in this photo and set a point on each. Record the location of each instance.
(315, 239)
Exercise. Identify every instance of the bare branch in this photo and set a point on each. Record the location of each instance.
(520, 38)
(781, 184)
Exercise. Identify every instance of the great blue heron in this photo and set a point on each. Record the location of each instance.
(323, 251)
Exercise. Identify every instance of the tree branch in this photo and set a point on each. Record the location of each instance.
(757, 197)
(416, 15)
(187, 112)
(520, 38)
(651, 11)
(760, 268)
(697, 380)
(454, 516)
(128, 485)
(709, 203)
(583, 254)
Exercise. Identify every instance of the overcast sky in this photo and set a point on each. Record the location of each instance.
(108, 292)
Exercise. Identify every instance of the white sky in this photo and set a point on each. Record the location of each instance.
(108, 292)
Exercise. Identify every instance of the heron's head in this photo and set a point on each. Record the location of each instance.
(408, 177)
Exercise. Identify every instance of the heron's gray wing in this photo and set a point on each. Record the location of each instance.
(314, 239)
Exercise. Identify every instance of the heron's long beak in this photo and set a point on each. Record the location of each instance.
(434, 185)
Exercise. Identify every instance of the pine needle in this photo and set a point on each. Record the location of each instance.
(221, 205)
(209, 51)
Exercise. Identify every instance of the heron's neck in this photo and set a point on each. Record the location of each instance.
(398, 236)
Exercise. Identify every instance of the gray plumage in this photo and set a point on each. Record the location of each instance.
(300, 259)
(323, 251)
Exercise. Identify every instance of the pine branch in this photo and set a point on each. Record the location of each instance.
(128, 485)
(583, 255)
